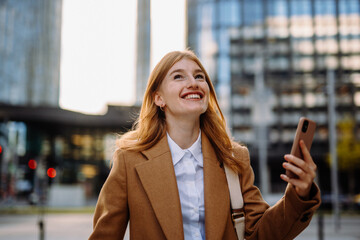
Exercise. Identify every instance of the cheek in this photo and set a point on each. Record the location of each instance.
(207, 91)
(207, 94)
(167, 91)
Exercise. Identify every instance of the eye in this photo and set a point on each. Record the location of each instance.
(177, 76)
(200, 76)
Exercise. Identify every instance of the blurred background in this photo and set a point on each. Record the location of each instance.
(73, 73)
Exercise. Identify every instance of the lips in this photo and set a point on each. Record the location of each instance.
(192, 95)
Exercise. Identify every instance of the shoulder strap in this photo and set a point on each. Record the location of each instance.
(237, 202)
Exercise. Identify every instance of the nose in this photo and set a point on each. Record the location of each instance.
(192, 83)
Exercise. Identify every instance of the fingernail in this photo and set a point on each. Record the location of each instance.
(283, 176)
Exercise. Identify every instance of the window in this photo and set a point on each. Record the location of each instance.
(207, 14)
(224, 41)
(325, 7)
(230, 13)
(349, 6)
(278, 63)
(253, 12)
(300, 7)
(224, 69)
(277, 8)
(303, 64)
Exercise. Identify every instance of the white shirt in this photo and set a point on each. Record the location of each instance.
(188, 165)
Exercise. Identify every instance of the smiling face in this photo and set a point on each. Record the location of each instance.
(184, 92)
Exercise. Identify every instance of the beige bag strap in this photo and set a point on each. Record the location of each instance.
(237, 202)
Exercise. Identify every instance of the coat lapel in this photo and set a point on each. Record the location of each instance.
(158, 178)
(216, 193)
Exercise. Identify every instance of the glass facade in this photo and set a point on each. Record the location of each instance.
(293, 45)
(78, 147)
(30, 52)
(35, 134)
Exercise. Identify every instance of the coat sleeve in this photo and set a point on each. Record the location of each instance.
(285, 220)
(111, 213)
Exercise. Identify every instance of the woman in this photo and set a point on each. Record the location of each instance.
(167, 177)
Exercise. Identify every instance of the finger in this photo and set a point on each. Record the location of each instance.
(297, 162)
(294, 169)
(301, 187)
(307, 155)
(293, 181)
(305, 173)
(305, 151)
(284, 177)
(296, 182)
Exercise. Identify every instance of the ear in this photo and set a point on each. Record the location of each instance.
(158, 99)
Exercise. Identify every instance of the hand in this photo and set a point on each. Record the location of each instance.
(305, 169)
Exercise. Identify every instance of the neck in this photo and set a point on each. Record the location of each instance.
(184, 133)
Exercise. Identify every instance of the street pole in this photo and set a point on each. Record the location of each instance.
(261, 123)
(332, 146)
(42, 191)
(320, 225)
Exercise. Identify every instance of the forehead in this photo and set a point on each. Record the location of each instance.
(184, 64)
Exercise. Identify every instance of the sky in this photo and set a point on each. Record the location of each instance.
(98, 49)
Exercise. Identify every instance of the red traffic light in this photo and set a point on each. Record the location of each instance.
(51, 172)
(32, 164)
(1, 149)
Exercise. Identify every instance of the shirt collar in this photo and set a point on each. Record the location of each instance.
(177, 153)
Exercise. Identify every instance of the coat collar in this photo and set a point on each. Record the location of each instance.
(217, 199)
(158, 178)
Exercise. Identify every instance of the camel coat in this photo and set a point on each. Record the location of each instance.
(142, 188)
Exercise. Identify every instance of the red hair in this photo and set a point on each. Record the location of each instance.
(150, 126)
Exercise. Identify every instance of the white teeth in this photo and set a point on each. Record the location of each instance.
(193, 96)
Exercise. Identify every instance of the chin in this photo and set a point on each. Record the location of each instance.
(197, 111)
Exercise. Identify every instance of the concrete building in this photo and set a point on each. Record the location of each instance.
(143, 47)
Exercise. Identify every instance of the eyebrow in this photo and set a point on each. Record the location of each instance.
(180, 70)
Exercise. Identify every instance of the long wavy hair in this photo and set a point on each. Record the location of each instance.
(150, 126)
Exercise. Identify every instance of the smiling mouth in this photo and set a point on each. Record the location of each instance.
(192, 96)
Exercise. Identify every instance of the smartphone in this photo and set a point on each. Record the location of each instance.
(305, 131)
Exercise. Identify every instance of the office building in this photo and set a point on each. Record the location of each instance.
(271, 61)
(30, 52)
(36, 136)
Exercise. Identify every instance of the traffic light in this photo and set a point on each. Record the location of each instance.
(1, 152)
(51, 172)
(32, 164)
